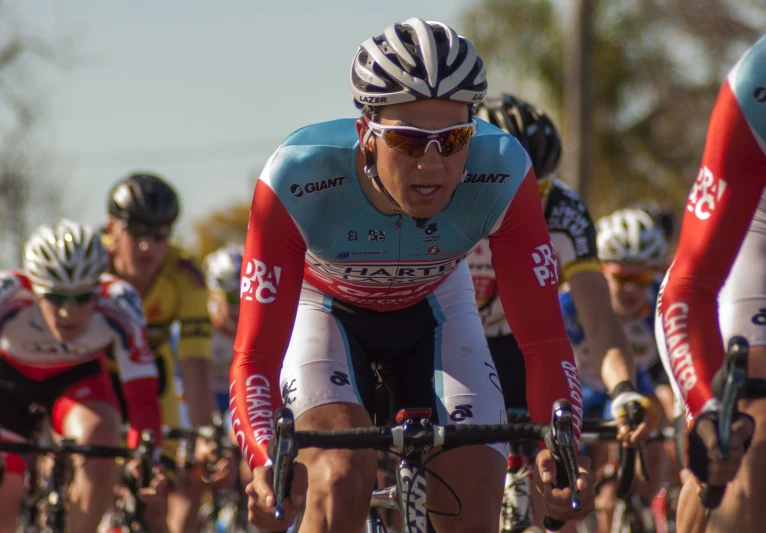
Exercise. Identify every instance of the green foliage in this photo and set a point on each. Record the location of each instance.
(657, 67)
(220, 227)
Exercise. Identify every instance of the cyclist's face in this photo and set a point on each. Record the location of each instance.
(629, 287)
(68, 318)
(422, 186)
(224, 311)
(137, 256)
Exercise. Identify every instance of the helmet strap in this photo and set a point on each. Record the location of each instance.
(371, 170)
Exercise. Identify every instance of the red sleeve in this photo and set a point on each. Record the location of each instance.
(143, 408)
(272, 273)
(526, 268)
(718, 213)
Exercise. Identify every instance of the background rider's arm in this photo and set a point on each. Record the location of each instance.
(272, 273)
(135, 362)
(194, 351)
(527, 280)
(606, 336)
(718, 212)
(196, 372)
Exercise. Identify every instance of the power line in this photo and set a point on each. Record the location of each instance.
(258, 149)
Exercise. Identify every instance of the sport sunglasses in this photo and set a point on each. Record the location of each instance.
(80, 298)
(415, 142)
(642, 279)
(138, 230)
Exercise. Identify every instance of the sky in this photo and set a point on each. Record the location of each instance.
(201, 92)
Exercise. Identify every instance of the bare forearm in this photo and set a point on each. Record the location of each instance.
(197, 375)
(617, 367)
(604, 333)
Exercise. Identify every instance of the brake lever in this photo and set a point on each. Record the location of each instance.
(560, 441)
(635, 412)
(736, 380)
(736, 365)
(282, 452)
(146, 453)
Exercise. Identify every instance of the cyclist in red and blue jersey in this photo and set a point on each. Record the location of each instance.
(722, 235)
(355, 257)
(59, 319)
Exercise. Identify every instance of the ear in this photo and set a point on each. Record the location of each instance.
(361, 131)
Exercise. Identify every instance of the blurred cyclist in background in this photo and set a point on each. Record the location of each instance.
(59, 318)
(573, 236)
(142, 210)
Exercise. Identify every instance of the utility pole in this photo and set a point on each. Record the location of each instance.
(578, 71)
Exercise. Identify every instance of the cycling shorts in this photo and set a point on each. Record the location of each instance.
(431, 354)
(26, 401)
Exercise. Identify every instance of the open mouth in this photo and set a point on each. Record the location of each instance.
(426, 191)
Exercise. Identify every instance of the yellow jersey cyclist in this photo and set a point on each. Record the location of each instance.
(59, 319)
(142, 210)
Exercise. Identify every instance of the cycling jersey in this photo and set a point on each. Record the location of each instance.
(117, 329)
(222, 347)
(639, 332)
(177, 293)
(310, 220)
(719, 213)
(574, 239)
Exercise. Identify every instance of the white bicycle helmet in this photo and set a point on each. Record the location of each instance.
(417, 60)
(630, 236)
(222, 268)
(65, 256)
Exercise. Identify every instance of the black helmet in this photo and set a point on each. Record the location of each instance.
(144, 198)
(664, 216)
(530, 125)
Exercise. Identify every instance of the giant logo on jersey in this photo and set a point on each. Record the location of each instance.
(260, 282)
(316, 186)
(705, 194)
(545, 265)
(490, 177)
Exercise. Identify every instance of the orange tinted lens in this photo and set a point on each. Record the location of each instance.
(645, 278)
(414, 143)
(454, 140)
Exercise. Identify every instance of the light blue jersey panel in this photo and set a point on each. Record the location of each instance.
(313, 173)
(748, 82)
